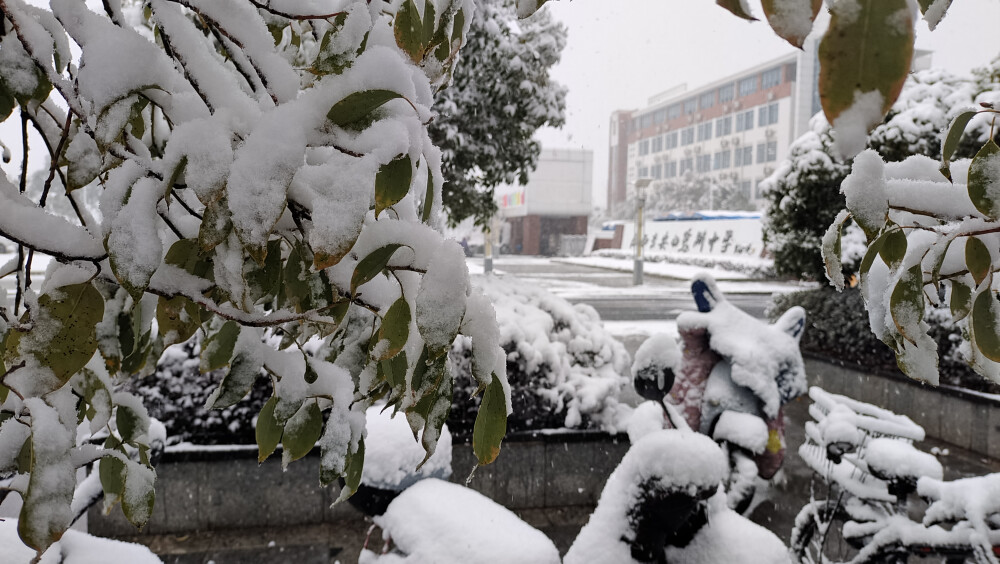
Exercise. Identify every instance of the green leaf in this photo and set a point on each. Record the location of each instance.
(491, 423)
(216, 224)
(395, 329)
(356, 106)
(867, 48)
(392, 182)
(238, 382)
(393, 370)
(7, 103)
(128, 423)
(112, 474)
(893, 248)
(781, 13)
(354, 470)
(69, 316)
(950, 145)
(408, 30)
(432, 409)
(217, 348)
(268, 430)
(978, 259)
(873, 251)
(906, 303)
(138, 508)
(984, 183)
(428, 197)
(138, 123)
(961, 300)
(302, 431)
(736, 7)
(264, 280)
(369, 267)
(984, 320)
(178, 318)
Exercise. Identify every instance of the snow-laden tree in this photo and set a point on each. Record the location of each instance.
(804, 192)
(266, 172)
(501, 93)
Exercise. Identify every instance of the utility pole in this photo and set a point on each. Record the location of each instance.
(640, 189)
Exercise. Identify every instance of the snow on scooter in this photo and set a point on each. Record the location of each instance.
(663, 504)
(730, 382)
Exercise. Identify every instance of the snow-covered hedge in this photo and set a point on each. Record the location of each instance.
(564, 369)
(838, 328)
(752, 268)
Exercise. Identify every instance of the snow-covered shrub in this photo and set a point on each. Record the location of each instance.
(753, 268)
(564, 369)
(838, 329)
(260, 165)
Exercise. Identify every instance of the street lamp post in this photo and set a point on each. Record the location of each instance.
(640, 186)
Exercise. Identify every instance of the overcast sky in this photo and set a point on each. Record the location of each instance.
(620, 53)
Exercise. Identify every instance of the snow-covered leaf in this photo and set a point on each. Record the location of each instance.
(354, 470)
(864, 60)
(933, 11)
(394, 331)
(64, 337)
(984, 180)
(984, 323)
(960, 299)
(243, 372)
(392, 182)
(370, 266)
(893, 248)
(831, 251)
(358, 105)
(491, 423)
(302, 431)
(954, 135)
(906, 303)
(978, 259)
(268, 430)
(217, 348)
(792, 20)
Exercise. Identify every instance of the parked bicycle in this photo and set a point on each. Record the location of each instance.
(873, 480)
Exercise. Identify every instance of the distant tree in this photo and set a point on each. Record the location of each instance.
(501, 93)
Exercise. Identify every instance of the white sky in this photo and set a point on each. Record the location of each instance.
(621, 53)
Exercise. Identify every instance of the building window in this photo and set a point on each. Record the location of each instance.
(706, 100)
(657, 144)
(761, 152)
(643, 172)
(725, 93)
(745, 189)
(686, 165)
(687, 136)
(671, 140)
(659, 116)
(720, 160)
(644, 147)
(744, 121)
(657, 171)
(772, 151)
(674, 111)
(770, 78)
(646, 121)
(704, 131)
(671, 169)
(748, 85)
(743, 156)
(767, 115)
(704, 163)
(690, 106)
(723, 126)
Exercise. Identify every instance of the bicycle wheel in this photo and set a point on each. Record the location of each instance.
(818, 535)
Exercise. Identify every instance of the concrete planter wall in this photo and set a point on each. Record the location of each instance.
(965, 419)
(224, 489)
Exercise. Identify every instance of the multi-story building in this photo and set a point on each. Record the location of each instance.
(736, 129)
(554, 204)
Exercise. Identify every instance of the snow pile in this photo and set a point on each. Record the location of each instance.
(893, 458)
(74, 548)
(564, 369)
(392, 455)
(742, 429)
(647, 418)
(664, 461)
(437, 521)
(730, 537)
